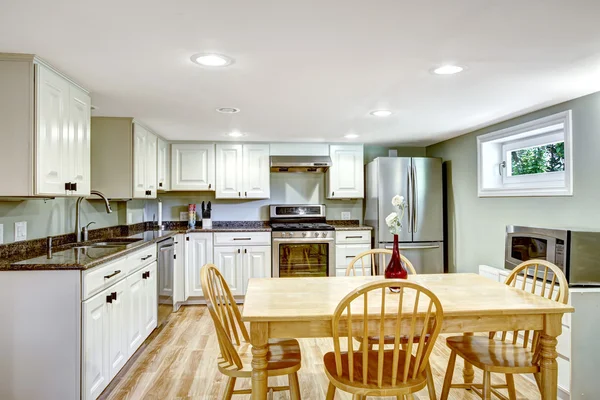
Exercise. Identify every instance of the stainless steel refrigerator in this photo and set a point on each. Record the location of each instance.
(419, 180)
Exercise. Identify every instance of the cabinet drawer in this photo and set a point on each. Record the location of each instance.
(345, 253)
(103, 276)
(140, 258)
(243, 239)
(353, 237)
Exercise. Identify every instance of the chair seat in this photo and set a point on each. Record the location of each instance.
(283, 358)
(493, 355)
(357, 386)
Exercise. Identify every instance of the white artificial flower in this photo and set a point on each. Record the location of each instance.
(392, 219)
(398, 200)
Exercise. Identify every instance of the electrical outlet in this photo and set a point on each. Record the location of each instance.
(183, 216)
(20, 231)
(1, 233)
(346, 215)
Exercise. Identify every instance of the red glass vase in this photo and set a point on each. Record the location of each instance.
(396, 268)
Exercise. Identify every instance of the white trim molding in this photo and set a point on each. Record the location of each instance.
(494, 178)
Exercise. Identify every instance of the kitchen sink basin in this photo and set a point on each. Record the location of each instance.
(114, 242)
(111, 244)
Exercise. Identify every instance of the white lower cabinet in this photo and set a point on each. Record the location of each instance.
(228, 260)
(96, 372)
(198, 252)
(115, 323)
(256, 264)
(117, 328)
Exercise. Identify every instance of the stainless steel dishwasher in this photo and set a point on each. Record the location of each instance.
(166, 281)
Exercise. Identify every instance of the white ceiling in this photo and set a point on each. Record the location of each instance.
(312, 70)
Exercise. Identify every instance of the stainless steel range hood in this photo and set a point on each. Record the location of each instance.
(300, 163)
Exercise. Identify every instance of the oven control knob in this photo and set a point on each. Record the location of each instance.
(303, 234)
(324, 234)
(316, 234)
(290, 234)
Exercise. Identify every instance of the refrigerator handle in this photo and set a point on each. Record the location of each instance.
(415, 198)
(409, 200)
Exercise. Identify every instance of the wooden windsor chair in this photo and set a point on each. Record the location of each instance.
(234, 342)
(371, 257)
(373, 310)
(505, 354)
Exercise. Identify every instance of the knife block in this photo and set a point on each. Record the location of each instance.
(206, 223)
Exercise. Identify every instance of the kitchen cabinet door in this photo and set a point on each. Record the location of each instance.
(257, 263)
(346, 177)
(52, 133)
(228, 260)
(149, 300)
(117, 327)
(198, 252)
(95, 361)
(193, 167)
(163, 166)
(140, 148)
(256, 171)
(346, 252)
(229, 171)
(135, 312)
(151, 165)
(78, 149)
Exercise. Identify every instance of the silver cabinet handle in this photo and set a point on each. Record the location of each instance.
(242, 238)
(353, 237)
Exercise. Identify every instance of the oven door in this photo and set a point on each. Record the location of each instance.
(303, 257)
(524, 246)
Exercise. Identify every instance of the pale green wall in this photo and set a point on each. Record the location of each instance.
(56, 217)
(477, 225)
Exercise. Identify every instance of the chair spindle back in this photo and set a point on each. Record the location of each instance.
(371, 309)
(225, 314)
(537, 274)
(370, 259)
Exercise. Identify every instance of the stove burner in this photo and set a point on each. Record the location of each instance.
(294, 226)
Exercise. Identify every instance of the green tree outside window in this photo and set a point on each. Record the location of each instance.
(538, 160)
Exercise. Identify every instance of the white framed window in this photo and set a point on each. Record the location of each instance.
(531, 159)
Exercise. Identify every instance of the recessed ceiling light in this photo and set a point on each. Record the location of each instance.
(381, 113)
(228, 110)
(351, 136)
(448, 70)
(212, 60)
(236, 134)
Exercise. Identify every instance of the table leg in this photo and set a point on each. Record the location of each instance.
(259, 337)
(548, 364)
(468, 373)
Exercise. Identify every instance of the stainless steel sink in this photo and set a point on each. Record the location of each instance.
(110, 244)
(116, 242)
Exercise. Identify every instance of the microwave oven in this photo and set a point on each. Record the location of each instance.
(575, 252)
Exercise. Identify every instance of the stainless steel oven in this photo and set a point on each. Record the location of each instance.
(295, 255)
(575, 252)
(303, 244)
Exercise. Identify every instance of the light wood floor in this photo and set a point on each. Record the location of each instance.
(178, 362)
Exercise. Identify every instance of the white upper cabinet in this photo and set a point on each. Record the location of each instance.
(257, 172)
(163, 165)
(79, 170)
(52, 132)
(193, 166)
(144, 163)
(346, 176)
(243, 171)
(124, 158)
(229, 171)
(45, 130)
(139, 161)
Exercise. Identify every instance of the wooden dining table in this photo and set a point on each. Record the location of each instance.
(303, 308)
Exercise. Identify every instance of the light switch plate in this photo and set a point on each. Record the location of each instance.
(183, 216)
(1, 233)
(346, 215)
(20, 231)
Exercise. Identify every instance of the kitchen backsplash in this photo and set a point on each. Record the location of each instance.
(286, 188)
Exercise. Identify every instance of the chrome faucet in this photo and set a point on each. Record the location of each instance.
(78, 209)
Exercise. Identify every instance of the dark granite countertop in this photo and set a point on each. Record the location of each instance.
(84, 258)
